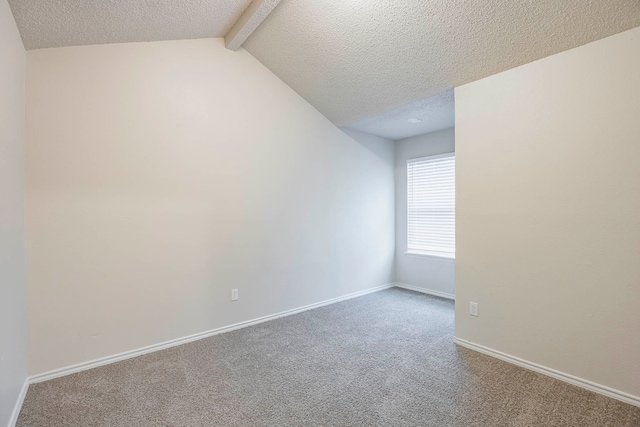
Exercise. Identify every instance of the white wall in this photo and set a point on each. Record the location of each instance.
(162, 175)
(13, 339)
(548, 211)
(429, 273)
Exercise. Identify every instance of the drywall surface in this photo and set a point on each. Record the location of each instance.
(13, 331)
(548, 197)
(162, 175)
(430, 273)
(382, 147)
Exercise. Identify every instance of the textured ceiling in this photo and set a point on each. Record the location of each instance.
(351, 59)
(355, 58)
(54, 23)
(435, 113)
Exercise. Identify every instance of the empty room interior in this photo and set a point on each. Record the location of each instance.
(320, 213)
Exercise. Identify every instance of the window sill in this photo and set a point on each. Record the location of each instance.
(432, 255)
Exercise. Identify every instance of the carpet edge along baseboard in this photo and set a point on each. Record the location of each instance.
(559, 375)
(83, 366)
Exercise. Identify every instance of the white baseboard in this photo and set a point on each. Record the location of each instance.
(18, 406)
(178, 341)
(425, 291)
(571, 379)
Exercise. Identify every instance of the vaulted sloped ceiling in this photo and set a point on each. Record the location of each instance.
(55, 23)
(351, 59)
(355, 58)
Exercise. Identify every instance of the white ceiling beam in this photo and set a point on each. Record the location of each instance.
(257, 11)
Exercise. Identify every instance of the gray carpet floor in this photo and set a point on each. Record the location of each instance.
(385, 359)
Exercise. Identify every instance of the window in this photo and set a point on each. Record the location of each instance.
(431, 203)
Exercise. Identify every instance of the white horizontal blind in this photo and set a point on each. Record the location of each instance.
(431, 197)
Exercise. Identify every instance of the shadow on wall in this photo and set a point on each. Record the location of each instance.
(383, 148)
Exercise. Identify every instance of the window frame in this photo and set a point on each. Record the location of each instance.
(444, 256)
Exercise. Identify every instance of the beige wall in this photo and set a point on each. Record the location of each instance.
(162, 175)
(429, 273)
(13, 333)
(548, 212)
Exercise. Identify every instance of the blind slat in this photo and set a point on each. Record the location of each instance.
(431, 204)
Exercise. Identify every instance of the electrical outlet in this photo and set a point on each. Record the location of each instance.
(473, 308)
(234, 295)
